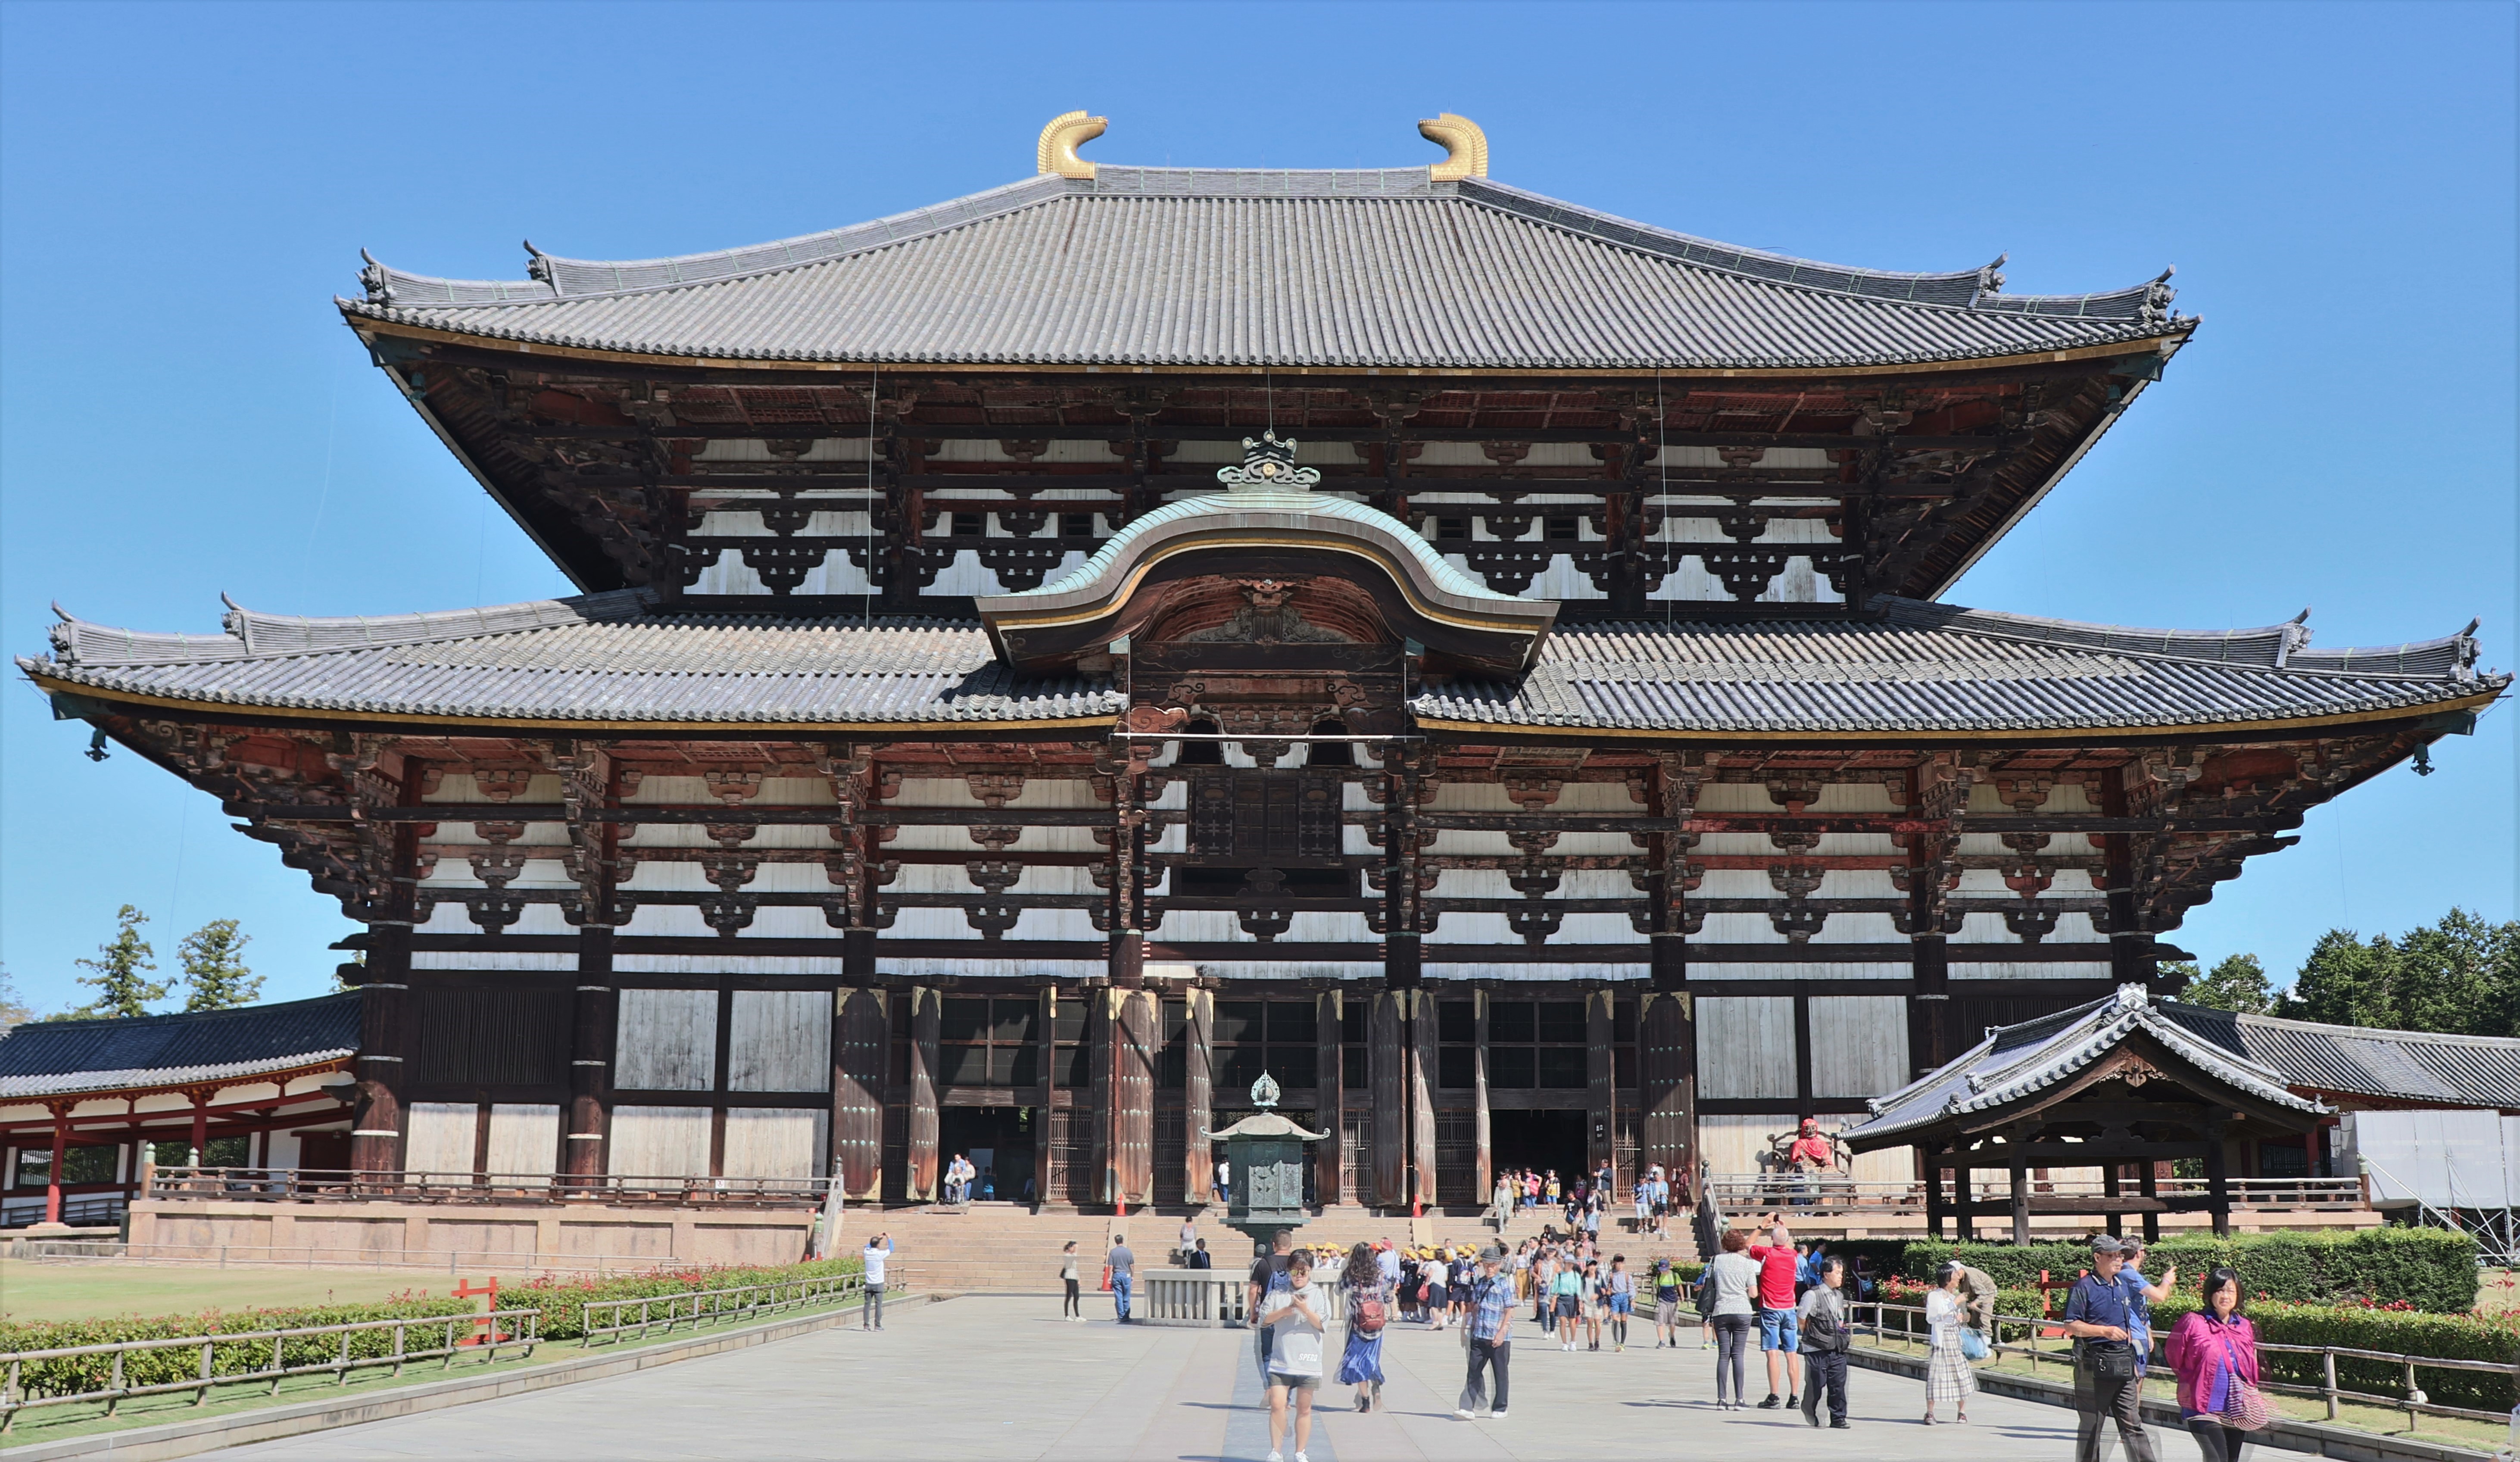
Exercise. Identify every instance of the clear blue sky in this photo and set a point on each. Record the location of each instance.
(186, 187)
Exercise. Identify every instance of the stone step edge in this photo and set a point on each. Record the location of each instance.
(187, 1439)
(2310, 1438)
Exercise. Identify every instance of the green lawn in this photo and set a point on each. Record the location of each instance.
(32, 1291)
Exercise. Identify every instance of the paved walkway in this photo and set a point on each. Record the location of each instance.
(994, 1380)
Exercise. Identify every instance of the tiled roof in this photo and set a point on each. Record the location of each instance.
(615, 657)
(2017, 1062)
(1196, 267)
(2419, 1066)
(49, 1058)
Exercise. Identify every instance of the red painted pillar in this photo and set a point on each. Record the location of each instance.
(200, 1128)
(61, 1155)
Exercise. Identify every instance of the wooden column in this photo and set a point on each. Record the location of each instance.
(2113, 1220)
(385, 997)
(926, 1010)
(2020, 1173)
(1198, 1095)
(61, 1155)
(2217, 1176)
(1045, 1121)
(1929, 1003)
(1601, 1105)
(1668, 1033)
(861, 1039)
(1137, 1034)
(1329, 1095)
(1094, 1105)
(1929, 1161)
(1482, 1128)
(2149, 1184)
(1422, 1067)
(1962, 1211)
(597, 1013)
(1386, 1068)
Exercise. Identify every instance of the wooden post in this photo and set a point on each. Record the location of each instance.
(1930, 1036)
(385, 996)
(1669, 1041)
(860, 1041)
(591, 1031)
(2217, 1176)
(1599, 1063)
(1929, 1161)
(1137, 1033)
(201, 1126)
(1482, 1128)
(61, 1155)
(1198, 1095)
(2020, 1173)
(2113, 1220)
(1386, 1068)
(1423, 1065)
(2150, 1182)
(1329, 1095)
(1963, 1211)
(926, 1010)
(1044, 1120)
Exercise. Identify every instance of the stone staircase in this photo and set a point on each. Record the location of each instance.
(1004, 1248)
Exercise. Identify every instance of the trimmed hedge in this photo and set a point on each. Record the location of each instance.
(2454, 1337)
(562, 1301)
(44, 1378)
(2431, 1269)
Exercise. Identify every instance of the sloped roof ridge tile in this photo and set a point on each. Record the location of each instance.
(253, 634)
(2280, 647)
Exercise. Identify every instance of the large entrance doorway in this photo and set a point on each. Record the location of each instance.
(1539, 1140)
(997, 1140)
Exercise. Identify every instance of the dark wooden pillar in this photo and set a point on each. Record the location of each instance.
(1929, 1005)
(384, 998)
(1963, 1211)
(861, 1039)
(1329, 1094)
(2149, 1184)
(1424, 1066)
(1482, 1126)
(1601, 1105)
(1046, 1125)
(1137, 1034)
(1386, 1068)
(2217, 1176)
(1929, 1161)
(1094, 1104)
(589, 1058)
(1668, 1133)
(2113, 1220)
(1198, 1095)
(926, 1012)
(61, 1155)
(2020, 1174)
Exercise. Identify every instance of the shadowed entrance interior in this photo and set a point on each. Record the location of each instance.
(1538, 1139)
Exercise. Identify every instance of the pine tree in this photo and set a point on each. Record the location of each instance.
(122, 979)
(2238, 984)
(14, 1011)
(215, 976)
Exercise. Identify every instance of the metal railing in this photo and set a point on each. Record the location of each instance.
(2411, 1398)
(706, 1307)
(325, 1185)
(323, 1256)
(1829, 1193)
(68, 1374)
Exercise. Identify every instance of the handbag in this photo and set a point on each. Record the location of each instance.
(1973, 1346)
(2244, 1407)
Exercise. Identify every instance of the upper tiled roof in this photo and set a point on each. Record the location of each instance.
(2017, 1062)
(1198, 267)
(616, 657)
(2419, 1066)
(49, 1058)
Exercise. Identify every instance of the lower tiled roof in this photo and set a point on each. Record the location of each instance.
(619, 658)
(49, 1058)
(2417, 1066)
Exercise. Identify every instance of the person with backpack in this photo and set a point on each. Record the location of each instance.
(1368, 1311)
(1566, 1300)
(1825, 1339)
(1621, 1288)
(1666, 1295)
(1487, 1337)
(1268, 1277)
(2214, 1352)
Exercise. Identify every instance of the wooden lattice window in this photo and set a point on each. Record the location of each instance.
(1261, 816)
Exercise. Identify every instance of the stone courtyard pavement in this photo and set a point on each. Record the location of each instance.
(990, 1378)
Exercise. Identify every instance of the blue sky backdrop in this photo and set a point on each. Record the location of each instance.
(187, 186)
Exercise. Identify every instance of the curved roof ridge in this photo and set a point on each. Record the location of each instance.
(2421, 1037)
(554, 277)
(1962, 288)
(252, 634)
(2280, 647)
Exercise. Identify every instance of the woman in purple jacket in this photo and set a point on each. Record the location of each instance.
(2211, 1346)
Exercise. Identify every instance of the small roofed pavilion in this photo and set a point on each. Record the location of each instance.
(2105, 1085)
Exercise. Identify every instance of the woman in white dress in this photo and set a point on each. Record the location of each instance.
(1947, 1376)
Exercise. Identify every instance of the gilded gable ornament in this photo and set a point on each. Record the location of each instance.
(1268, 466)
(1264, 1092)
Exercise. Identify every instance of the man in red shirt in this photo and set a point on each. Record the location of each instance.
(1779, 1330)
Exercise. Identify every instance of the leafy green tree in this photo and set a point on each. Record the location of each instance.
(2238, 984)
(2346, 982)
(2180, 976)
(215, 976)
(13, 1011)
(2459, 976)
(121, 980)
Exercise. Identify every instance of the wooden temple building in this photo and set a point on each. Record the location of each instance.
(1044, 659)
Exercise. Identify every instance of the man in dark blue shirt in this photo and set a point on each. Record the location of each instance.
(2106, 1383)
